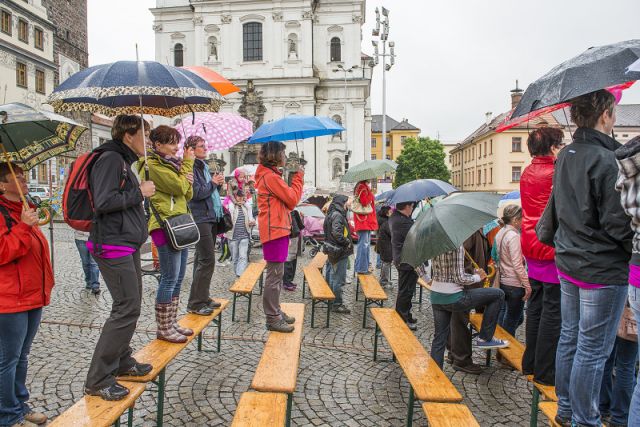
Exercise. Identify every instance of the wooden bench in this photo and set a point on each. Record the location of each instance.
(422, 285)
(449, 415)
(93, 411)
(160, 353)
(373, 293)
(148, 268)
(550, 409)
(261, 410)
(512, 354)
(277, 371)
(548, 393)
(318, 262)
(243, 286)
(427, 382)
(321, 293)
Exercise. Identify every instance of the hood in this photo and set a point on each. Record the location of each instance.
(119, 147)
(337, 204)
(628, 157)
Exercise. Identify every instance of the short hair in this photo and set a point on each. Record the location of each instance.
(587, 109)
(384, 211)
(5, 170)
(543, 139)
(126, 124)
(402, 205)
(240, 193)
(164, 135)
(270, 153)
(192, 141)
(510, 213)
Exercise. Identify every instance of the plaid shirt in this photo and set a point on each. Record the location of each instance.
(449, 268)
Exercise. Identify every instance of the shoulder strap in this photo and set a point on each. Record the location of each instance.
(7, 218)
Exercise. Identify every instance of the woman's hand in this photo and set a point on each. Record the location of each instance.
(480, 272)
(189, 177)
(147, 188)
(29, 216)
(218, 179)
(527, 292)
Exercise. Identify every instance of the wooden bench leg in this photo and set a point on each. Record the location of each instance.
(219, 331)
(329, 304)
(364, 313)
(488, 358)
(313, 310)
(117, 423)
(249, 308)
(357, 288)
(421, 290)
(289, 405)
(410, 407)
(304, 285)
(233, 310)
(160, 383)
(375, 342)
(261, 283)
(533, 422)
(130, 417)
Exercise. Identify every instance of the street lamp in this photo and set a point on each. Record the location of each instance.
(381, 31)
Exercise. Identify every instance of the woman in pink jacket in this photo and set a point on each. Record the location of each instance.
(513, 274)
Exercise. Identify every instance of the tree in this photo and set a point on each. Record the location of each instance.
(421, 158)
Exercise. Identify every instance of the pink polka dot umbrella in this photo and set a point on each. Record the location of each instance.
(219, 130)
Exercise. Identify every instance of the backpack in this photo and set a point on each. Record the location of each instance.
(77, 200)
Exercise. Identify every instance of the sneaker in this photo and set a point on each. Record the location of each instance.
(341, 309)
(137, 370)
(113, 392)
(289, 319)
(490, 344)
(288, 287)
(35, 418)
(205, 310)
(213, 304)
(471, 368)
(280, 326)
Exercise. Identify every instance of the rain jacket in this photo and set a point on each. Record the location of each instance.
(628, 184)
(173, 191)
(383, 244)
(512, 266)
(535, 189)
(276, 200)
(336, 231)
(593, 240)
(201, 204)
(26, 278)
(367, 222)
(399, 224)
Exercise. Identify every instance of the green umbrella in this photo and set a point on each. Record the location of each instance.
(369, 169)
(444, 226)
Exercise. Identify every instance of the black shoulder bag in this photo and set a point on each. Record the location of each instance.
(181, 230)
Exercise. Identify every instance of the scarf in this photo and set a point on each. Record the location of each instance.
(173, 161)
(217, 203)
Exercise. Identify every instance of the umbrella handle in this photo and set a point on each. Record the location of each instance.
(13, 174)
(487, 280)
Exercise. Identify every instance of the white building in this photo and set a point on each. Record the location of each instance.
(295, 52)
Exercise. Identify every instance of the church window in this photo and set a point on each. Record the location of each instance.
(178, 55)
(336, 50)
(252, 41)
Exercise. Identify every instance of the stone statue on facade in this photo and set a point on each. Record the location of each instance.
(213, 49)
(251, 108)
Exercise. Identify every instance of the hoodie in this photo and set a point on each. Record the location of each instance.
(336, 230)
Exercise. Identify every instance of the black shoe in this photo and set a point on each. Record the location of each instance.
(341, 309)
(213, 304)
(113, 392)
(137, 370)
(450, 358)
(95, 291)
(471, 368)
(205, 310)
(412, 319)
(564, 422)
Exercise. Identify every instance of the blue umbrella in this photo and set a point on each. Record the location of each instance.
(420, 189)
(513, 195)
(135, 87)
(295, 127)
(384, 196)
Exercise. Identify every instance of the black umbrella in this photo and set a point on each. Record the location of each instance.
(597, 68)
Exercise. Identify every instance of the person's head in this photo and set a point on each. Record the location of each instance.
(128, 129)
(545, 141)
(241, 175)
(164, 140)
(363, 182)
(199, 146)
(240, 196)
(405, 208)
(340, 200)
(512, 215)
(272, 154)
(595, 110)
(385, 211)
(8, 186)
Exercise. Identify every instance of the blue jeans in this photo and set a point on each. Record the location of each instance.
(615, 395)
(89, 266)
(512, 311)
(336, 277)
(589, 323)
(634, 410)
(239, 255)
(17, 331)
(173, 265)
(363, 252)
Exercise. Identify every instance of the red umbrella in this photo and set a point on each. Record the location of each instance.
(219, 83)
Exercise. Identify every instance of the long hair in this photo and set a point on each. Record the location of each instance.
(271, 154)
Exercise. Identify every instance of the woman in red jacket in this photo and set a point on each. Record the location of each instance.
(364, 225)
(543, 312)
(26, 280)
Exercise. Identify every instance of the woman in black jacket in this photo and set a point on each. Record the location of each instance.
(338, 247)
(383, 245)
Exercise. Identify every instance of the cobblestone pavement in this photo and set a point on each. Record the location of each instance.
(339, 384)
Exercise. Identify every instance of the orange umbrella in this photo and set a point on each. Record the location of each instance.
(219, 83)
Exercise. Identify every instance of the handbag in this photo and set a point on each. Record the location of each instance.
(225, 223)
(181, 230)
(628, 328)
(358, 208)
(297, 225)
(548, 223)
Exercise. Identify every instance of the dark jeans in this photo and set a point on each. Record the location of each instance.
(204, 264)
(17, 331)
(336, 277)
(290, 271)
(89, 266)
(542, 332)
(407, 280)
(615, 394)
(490, 297)
(112, 355)
(460, 339)
(511, 313)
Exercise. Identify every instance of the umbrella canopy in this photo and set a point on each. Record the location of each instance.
(420, 189)
(596, 68)
(444, 226)
(308, 209)
(124, 86)
(385, 196)
(31, 137)
(513, 195)
(634, 67)
(295, 127)
(219, 130)
(369, 169)
(219, 83)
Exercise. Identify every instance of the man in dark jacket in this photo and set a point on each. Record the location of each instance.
(118, 232)
(338, 247)
(383, 246)
(206, 208)
(399, 224)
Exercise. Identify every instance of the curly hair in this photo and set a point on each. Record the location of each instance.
(543, 139)
(271, 153)
(192, 141)
(164, 135)
(587, 109)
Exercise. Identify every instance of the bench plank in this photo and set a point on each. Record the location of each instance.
(449, 415)
(277, 370)
(317, 285)
(427, 379)
(371, 287)
(550, 409)
(319, 260)
(93, 411)
(160, 353)
(261, 410)
(245, 283)
(512, 354)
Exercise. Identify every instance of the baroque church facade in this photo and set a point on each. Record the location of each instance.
(288, 57)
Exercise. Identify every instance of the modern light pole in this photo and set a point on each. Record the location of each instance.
(383, 36)
(345, 71)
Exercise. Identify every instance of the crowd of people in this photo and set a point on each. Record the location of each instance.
(567, 260)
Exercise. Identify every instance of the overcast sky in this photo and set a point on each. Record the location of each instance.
(456, 60)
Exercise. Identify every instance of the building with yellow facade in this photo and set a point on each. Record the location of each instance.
(397, 133)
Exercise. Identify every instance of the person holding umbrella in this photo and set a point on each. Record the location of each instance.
(276, 200)
(365, 221)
